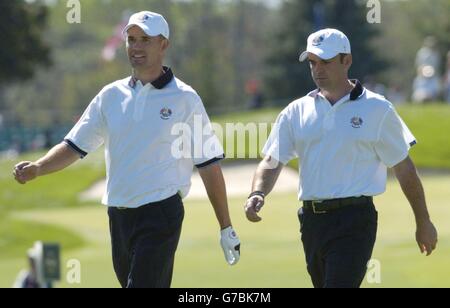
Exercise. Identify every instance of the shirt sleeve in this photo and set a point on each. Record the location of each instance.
(394, 139)
(88, 134)
(281, 144)
(206, 148)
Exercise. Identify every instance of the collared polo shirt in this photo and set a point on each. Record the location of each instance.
(135, 123)
(344, 149)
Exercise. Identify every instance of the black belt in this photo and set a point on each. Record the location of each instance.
(148, 204)
(325, 206)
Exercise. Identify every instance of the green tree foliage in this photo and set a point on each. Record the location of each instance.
(289, 79)
(350, 16)
(285, 77)
(216, 47)
(21, 30)
(404, 26)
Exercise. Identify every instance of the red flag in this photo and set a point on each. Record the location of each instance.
(115, 41)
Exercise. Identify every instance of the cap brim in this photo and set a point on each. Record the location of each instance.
(318, 52)
(303, 56)
(142, 26)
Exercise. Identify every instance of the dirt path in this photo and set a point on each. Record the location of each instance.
(238, 178)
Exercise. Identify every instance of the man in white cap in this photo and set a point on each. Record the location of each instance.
(146, 177)
(345, 137)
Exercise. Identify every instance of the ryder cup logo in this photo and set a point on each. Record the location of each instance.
(318, 40)
(356, 122)
(143, 18)
(165, 113)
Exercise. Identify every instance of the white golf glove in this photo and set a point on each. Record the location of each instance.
(231, 245)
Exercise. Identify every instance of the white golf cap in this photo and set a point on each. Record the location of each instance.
(152, 24)
(326, 44)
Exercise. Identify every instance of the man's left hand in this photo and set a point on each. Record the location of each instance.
(426, 236)
(231, 245)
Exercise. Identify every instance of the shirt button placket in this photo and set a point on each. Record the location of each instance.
(140, 104)
(328, 122)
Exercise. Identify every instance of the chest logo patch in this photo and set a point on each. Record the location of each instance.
(356, 122)
(166, 113)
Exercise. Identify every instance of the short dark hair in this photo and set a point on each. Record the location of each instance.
(162, 37)
(342, 56)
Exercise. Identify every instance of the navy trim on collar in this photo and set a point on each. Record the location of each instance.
(159, 83)
(357, 91)
(164, 80)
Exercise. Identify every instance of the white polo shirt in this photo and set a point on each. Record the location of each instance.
(135, 123)
(345, 148)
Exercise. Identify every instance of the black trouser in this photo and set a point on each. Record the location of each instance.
(144, 241)
(338, 244)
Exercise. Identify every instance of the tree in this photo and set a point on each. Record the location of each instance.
(289, 79)
(404, 26)
(285, 77)
(216, 46)
(22, 25)
(349, 16)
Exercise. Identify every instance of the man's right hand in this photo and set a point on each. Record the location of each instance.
(252, 207)
(25, 172)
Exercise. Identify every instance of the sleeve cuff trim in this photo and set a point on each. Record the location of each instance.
(210, 162)
(75, 148)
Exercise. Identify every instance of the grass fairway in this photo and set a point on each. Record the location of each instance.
(428, 123)
(431, 127)
(55, 191)
(272, 255)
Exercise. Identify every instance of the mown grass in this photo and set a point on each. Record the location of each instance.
(429, 123)
(431, 126)
(49, 210)
(272, 254)
(17, 236)
(53, 192)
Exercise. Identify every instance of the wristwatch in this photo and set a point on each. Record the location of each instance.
(257, 193)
